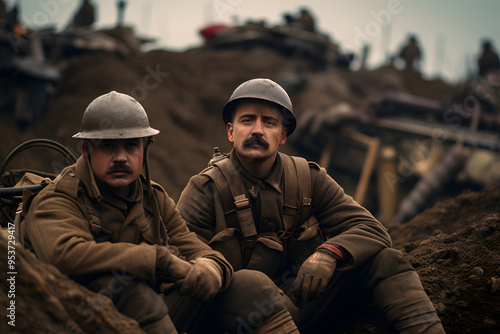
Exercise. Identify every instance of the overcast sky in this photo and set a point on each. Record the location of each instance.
(449, 31)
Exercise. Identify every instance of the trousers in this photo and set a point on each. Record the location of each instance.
(249, 301)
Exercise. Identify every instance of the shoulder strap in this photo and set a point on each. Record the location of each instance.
(290, 194)
(305, 187)
(297, 181)
(232, 192)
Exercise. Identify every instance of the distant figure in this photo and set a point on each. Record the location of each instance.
(488, 60)
(306, 20)
(121, 12)
(411, 55)
(85, 16)
(12, 19)
(3, 11)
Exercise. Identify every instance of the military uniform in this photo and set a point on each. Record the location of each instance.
(105, 241)
(333, 218)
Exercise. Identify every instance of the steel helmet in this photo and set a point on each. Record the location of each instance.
(115, 116)
(262, 89)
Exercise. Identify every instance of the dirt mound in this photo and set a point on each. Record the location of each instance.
(37, 298)
(454, 246)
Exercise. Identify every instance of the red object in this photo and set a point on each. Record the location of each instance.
(337, 250)
(209, 32)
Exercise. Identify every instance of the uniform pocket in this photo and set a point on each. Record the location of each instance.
(267, 254)
(228, 243)
(305, 240)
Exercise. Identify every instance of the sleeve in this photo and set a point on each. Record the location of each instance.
(59, 232)
(186, 241)
(197, 206)
(344, 222)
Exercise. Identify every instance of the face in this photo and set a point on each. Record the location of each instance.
(256, 130)
(118, 162)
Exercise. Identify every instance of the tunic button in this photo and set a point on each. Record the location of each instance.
(263, 186)
(265, 221)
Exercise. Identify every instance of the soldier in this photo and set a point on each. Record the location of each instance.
(106, 225)
(286, 217)
(85, 15)
(488, 60)
(306, 20)
(411, 55)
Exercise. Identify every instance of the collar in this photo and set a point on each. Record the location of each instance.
(253, 184)
(98, 190)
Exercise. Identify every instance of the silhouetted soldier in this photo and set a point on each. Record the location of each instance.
(488, 60)
(84, 17)
(306, 20)
(121, 12)
(411, 55)
(3, 11)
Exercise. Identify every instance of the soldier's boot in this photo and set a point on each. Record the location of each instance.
(279, 323)
(406, 306)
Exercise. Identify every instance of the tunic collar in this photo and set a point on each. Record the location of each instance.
(253, 184)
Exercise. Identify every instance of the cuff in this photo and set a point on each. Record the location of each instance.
(337, 251)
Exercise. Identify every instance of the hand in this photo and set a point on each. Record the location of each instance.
(204, 280)
(171, 267)
(314, 275)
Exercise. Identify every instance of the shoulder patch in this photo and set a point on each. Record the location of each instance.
(67, 182)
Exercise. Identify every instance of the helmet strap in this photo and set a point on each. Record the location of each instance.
(86, 147)
(151, 196)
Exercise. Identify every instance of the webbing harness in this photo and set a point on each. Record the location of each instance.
(236, 205)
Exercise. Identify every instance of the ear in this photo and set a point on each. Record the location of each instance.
(283, 136)
(229, 129)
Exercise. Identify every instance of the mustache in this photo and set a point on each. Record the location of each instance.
(256, 140)
(119, 168)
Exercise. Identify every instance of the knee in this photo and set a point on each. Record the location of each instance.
(251, 298)
(251, 289)
(125, 291)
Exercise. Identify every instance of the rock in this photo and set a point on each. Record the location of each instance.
(489, 324)
(495, 284)
(477, 271)
(440, 308)
(475, 280)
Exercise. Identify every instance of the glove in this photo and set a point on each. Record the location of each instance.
(314, 275)
(170, 267)
(203, 281)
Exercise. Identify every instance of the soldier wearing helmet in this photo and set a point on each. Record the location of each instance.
(286, 217)
(104, 223)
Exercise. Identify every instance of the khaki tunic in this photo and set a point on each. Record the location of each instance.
(59, 230)
(342, 221)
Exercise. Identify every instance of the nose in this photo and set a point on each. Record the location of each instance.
(257, 128)
(120, 154)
